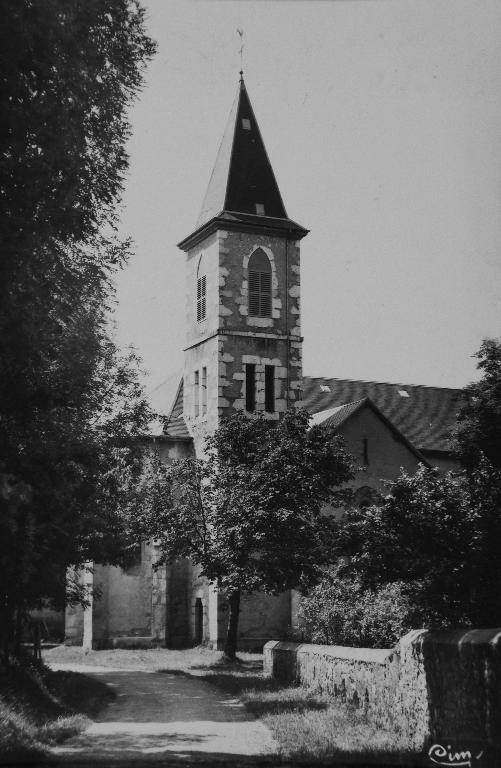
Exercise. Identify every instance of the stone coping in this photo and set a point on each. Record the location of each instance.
(461, 637)
(368, 655)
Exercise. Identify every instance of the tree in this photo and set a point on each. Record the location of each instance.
(441, 535)
(478, 430)
(250, 514)
(341, 611)
(80, 475)
(70, 406)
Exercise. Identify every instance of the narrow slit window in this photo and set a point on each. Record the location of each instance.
(250, 387)
(269, 388)
(196, 394)
(246, 124)
(204, 391)
(259, 284)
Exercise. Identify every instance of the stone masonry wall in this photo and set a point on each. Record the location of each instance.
(124, 607)
(441, 687)
(274, 340)
(362, 677)
(203, 422)
(228, 338)
(235, 251)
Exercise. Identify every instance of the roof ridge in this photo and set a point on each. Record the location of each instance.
(385, 383)
(344, 405)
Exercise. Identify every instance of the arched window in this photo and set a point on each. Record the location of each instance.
(259, 284)
(201, 290)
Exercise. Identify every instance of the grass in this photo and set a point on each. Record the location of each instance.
(39, 708)
(307, 725)
(142, 659)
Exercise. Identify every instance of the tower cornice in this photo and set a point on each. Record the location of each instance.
(245, 335)
(244, 222)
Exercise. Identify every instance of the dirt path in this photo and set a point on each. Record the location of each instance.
(157, 716)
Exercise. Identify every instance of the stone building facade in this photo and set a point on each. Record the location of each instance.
(243, 352)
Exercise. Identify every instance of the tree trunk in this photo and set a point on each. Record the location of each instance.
(7, 622)
(18, 629)
(230, 646)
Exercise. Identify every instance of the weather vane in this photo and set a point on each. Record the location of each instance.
(241, 33)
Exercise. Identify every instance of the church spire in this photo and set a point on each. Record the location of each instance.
(243, 192)
(242, 180)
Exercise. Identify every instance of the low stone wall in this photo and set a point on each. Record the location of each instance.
(432, 687)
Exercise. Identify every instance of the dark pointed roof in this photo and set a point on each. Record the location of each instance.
(242, 175)
(243, 188)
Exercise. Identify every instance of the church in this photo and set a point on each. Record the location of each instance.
(243, 351)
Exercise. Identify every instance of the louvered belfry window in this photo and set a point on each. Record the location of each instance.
(201, 286)
(259, 284)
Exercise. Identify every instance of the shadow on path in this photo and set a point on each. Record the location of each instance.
(158, 715)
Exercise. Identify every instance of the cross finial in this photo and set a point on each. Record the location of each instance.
(241, 33)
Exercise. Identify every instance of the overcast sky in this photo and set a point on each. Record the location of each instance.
(382, 121)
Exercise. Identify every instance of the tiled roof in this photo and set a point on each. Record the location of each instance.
(424, 415)
(334, 417)
(176, 425)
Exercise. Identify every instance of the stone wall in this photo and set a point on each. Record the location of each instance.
(433, 687)
(228, 338)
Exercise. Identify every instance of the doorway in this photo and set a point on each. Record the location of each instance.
(199, 621)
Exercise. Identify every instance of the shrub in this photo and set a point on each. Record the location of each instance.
(340, 611)
(441, 535)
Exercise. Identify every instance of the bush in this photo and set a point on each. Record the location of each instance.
(441, 535)
(339, 611)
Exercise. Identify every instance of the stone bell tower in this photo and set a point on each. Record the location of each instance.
(243, 342)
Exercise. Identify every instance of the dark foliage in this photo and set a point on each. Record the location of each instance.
(340, 610)
(71, 408)
(441, 535)
(478, 430)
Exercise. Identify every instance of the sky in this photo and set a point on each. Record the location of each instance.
(382, 121)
